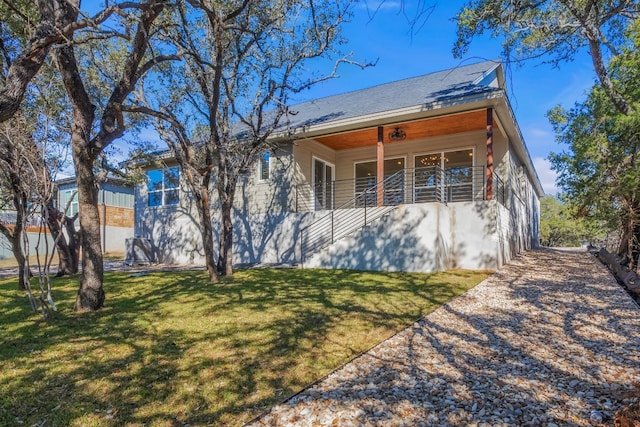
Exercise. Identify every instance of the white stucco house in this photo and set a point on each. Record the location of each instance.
(423, 174)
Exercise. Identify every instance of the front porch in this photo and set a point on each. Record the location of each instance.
(442, 159)
(406, 186)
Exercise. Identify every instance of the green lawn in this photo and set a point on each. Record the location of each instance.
(169, 349)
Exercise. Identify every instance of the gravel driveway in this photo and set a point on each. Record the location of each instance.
(550, 339)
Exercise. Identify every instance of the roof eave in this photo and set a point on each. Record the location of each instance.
(437, 108)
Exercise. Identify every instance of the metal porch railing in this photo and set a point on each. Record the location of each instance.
(351, 216)
(420, 185)
(407, 186)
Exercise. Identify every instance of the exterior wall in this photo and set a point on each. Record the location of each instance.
(113, 238)
(260, 208)
(5, 246)
(421, 238)
(411, 238)
(109, 195)
(171, 229)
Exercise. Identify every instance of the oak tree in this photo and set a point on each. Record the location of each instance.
(553, 31)
(241, 61)
(120, 57)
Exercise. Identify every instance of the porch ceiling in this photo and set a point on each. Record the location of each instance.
(444, 125)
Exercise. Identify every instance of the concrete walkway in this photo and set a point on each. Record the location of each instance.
(550, 339)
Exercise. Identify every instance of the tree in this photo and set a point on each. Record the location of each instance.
(119, 67)
(241, 61)
(33, 149)
(17, 181)
(28, 31)
(558, 226)
(555, 30)
(600, 170)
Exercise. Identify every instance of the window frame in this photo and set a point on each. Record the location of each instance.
(443, 166)
(71, 194)
(164, 191)
(261, 166)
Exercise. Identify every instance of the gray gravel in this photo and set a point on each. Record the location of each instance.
(550, 339)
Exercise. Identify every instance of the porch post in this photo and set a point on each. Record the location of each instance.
(380, 167)
(489, 173)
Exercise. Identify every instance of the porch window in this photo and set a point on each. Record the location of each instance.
(459, 170)
(264, 168)
(427, 185)
(456, 166)
(163, 186)
(366, 179)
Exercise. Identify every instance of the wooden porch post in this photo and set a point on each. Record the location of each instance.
(489, 177)
(380, 167)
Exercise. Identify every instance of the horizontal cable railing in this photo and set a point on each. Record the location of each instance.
(499, 189)
(351, 216)
(419, 185)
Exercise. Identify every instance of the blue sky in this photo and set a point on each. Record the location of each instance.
(533, 88)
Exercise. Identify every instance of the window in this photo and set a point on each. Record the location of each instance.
(458, 169)
(73, 206)
(323, 184)
(263, 168)
(366, 179)
(163, 186)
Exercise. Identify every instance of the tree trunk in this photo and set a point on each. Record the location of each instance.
(68, 259)
(226, 193)
(15, 235)
(628, 277)
(616, 98)
(73, 245)
(204, 209)
(16, 247)
(91, 294)
(225, 259)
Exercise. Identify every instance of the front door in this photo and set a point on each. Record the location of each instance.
(323, 184)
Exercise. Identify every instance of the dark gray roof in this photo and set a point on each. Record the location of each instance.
(421, 90)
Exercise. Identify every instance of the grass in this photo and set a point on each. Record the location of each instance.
(169, 349)
(10, 262)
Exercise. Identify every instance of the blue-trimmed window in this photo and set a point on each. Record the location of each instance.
(164, 186)
(264, 168)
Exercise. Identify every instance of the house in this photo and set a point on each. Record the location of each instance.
(422, 174)
(115, 205)
(37, 234)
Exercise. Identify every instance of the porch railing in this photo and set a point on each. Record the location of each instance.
(351, 216)
(420, 185)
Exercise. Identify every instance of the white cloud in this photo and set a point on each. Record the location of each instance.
(546, 175)
(377, 5)
(540, 133)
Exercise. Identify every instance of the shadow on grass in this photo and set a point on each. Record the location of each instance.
(562, 342)
(171, 349)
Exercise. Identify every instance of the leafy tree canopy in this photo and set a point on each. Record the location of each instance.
(600, 170)
(553, 31)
